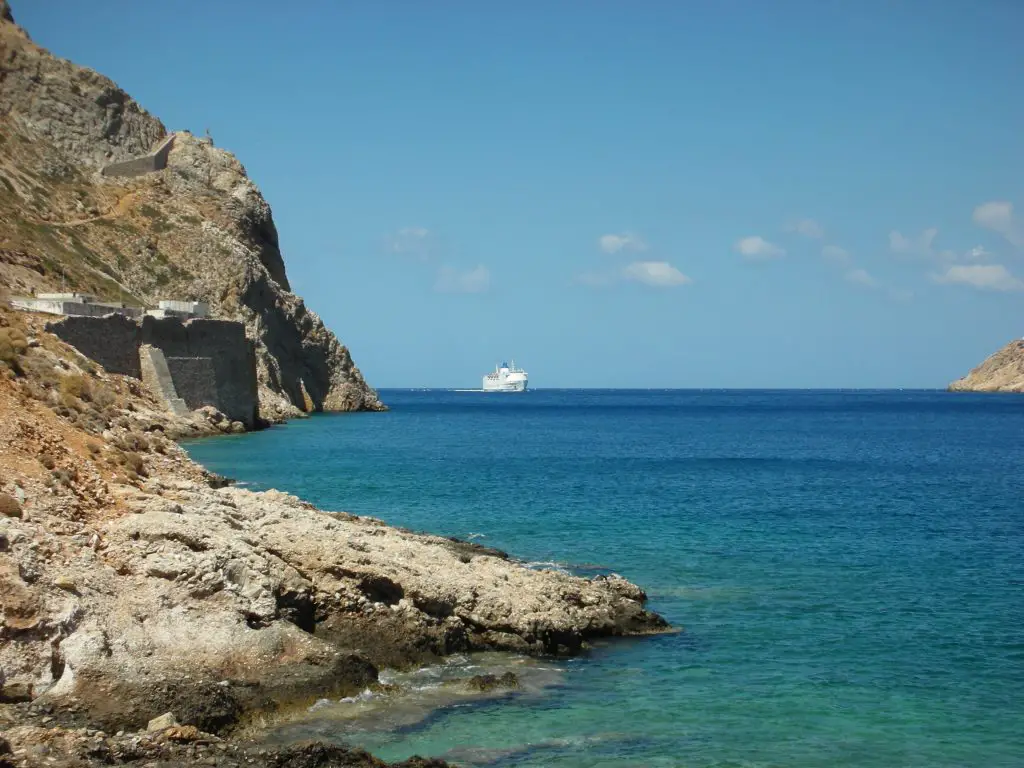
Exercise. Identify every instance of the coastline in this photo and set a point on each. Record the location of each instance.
(148, 610)
(132, 591)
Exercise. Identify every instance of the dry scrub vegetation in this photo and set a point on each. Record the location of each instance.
(118, 429)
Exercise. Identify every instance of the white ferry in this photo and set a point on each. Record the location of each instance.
(506, 378)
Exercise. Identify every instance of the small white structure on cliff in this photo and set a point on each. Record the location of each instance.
(85, 305)
(81, 304)
(182, 309)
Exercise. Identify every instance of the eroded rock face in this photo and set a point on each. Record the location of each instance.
(239, 270)
(229, 600)
(199, 230)
(83, 114)
(1002, 372)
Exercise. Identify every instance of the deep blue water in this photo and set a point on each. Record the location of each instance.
(848, 566)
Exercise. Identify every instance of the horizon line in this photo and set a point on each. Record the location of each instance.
(685, 389)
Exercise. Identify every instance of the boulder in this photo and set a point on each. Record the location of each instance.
(166, 720)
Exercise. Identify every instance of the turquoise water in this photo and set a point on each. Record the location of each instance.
(848, 566)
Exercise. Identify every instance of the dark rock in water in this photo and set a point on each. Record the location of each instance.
(217, 481)
(467, 550)
(484, 683)
(188, 746)
(318, 755)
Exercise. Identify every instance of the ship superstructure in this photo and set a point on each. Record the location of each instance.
(506, 378)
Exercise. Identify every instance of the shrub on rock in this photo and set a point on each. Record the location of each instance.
(9, 506)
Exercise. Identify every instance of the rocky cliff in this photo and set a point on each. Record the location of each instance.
(134, 584)
(198, 229)
(1002, 372)
(149, 613)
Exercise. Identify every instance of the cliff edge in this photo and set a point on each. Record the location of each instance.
(1002, 372)
(195, 229)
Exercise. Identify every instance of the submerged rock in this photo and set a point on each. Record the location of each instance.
(485, 683)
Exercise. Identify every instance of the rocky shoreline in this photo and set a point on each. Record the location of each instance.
(150, 613)
(134, 584)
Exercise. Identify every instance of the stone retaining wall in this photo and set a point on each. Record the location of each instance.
(138, 166)
(195, 380)
(211, 362)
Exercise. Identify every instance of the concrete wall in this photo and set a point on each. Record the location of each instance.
(83, 297)
(156, 375)
(229, 373)
(154, 161)
(63, 307)
(194, 308)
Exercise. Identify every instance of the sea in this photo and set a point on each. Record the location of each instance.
(846, 569)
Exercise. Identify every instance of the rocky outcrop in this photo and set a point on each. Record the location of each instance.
(303, 365)
(219, 602)
(199, 229)
(42, 743)
(81, 113)
(1002, 372)
(133, 584)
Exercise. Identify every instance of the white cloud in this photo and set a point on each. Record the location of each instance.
(411, 241)
(865, 279)
(808, 228)
(986, 277)
(835, 254)
(997, 216)
(657, 273)
(978, 253)
(451, 280)
(627, 242)
(914, 246)
(860, 277)
(756, 248)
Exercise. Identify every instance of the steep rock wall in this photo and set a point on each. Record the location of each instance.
(198, 229)
(82, 113)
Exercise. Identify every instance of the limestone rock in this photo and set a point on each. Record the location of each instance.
(1002, 372)
(166, 720)
(81, 113)
(65, 582)
(14, 692)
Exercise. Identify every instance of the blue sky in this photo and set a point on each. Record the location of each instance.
(650, 194)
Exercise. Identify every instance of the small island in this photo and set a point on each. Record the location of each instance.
(1001, 372)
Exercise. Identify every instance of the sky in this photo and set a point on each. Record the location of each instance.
(700, 194)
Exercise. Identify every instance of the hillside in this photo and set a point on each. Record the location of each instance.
(197, 230)
(1002, 372)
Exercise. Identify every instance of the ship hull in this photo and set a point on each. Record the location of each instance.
(505, 386)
